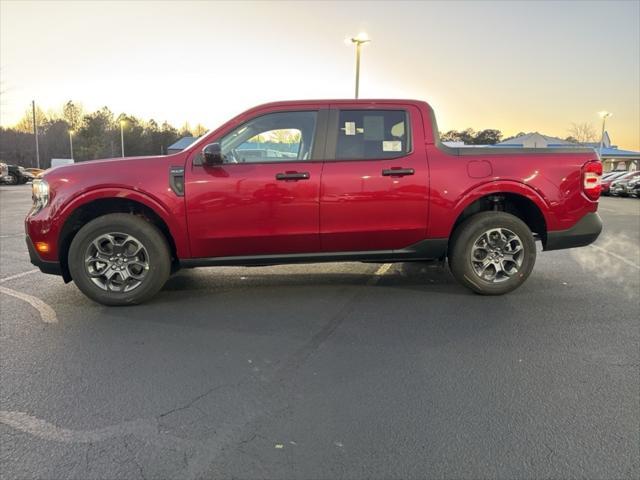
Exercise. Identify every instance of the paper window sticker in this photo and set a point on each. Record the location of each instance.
(349, 128)
(373, 127)
(398, 130)
(392, 146)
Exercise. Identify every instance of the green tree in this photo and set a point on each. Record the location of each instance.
(284, 136)
(199, 130)
(94, 136)
(73, 114)
(185, 130)
(25, 124)
(487, 137)
(168, 136)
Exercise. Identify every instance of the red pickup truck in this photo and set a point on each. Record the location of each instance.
(313, 181)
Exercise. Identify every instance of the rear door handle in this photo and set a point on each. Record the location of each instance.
(397, 172)
(292, 176)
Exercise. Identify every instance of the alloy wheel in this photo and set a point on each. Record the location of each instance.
(117, 262)
(497, 255)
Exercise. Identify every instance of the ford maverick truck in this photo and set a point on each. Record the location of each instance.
(313, 181)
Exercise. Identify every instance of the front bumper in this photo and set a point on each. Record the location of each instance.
(52, 268)
(582, 233)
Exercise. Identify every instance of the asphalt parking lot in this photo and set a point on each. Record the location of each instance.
(323, 371)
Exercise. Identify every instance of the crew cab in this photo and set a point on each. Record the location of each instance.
(313, 181)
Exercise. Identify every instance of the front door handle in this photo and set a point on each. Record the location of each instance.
(295, 176)
(397, 172)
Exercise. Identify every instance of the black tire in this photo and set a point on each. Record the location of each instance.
(462, 243)
(156, 253)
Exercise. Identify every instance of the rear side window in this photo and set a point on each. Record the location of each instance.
(372, 134)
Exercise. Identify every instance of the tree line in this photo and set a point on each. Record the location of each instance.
(94, 134)
(97, 135)
(578, 133)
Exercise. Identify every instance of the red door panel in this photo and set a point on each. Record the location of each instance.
(242, 209)
(364, 206)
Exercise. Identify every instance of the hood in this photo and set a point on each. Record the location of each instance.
(117, 163)
(138, 173)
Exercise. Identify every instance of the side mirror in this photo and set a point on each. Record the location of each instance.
(212, 154)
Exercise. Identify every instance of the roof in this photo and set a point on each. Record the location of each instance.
(183, 143)
(613, 152)
(534, 136)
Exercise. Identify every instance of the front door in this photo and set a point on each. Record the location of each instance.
(374, 192)
(264, 198)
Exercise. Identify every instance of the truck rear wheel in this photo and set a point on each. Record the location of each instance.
(119, 259)
(492, 253)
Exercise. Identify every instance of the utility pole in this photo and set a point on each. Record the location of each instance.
(35, 132)
(122, 136)
(71, 142)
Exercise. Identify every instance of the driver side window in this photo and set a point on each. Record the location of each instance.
(275, 137)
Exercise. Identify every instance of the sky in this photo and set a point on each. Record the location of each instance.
(515, 66)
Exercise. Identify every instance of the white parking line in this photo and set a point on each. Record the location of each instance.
(379, 273)
(616, 256)
(47, 314)
(18, 275)
(147, 430)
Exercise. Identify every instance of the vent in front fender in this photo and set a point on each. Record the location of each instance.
(176, 180)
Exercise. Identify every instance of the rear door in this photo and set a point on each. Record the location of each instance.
(374, 191)
(264, 198)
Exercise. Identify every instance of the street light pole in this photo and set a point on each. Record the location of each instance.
(35, 132)
(358, 46)
(71, 142)
(604, 115)
(122, 136)
(360, 40)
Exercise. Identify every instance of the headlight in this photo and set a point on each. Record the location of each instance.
(39, 194)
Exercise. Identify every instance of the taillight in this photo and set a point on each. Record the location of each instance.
(592, 179)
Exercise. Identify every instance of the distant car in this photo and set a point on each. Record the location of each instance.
(609, 178)
(619, 185)
(4, 171)
(612, 173)
(17, 175)
(633, 187)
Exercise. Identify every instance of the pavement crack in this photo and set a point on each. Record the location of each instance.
(133, 458)
(191, 402)
(298, 357)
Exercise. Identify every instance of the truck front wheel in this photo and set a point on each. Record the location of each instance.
(119, 259)
(492, 253)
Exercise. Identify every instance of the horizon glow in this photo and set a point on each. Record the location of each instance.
(516, 66)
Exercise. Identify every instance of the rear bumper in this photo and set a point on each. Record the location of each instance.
(582, 233)
(52, 268)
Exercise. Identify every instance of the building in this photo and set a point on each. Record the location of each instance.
(535, 140)
(613, 158)
(180, 145)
